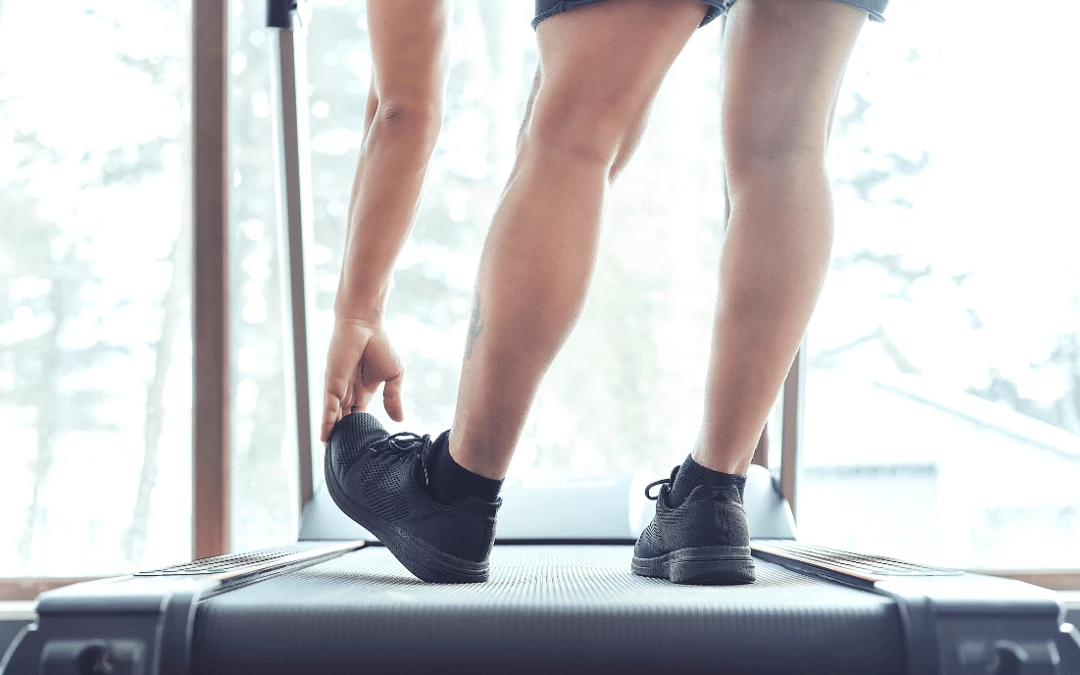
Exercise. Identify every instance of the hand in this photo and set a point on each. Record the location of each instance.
(359, 360)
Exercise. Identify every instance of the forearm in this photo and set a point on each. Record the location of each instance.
(383, 206)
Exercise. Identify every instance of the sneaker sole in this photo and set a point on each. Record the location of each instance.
(425, 561)
(703, 565)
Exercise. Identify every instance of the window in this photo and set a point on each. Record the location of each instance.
(942, 417)
(262, 452)
(95, 347)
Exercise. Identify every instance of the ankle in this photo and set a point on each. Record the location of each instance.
(723, 464)
(487, 465)
(692, 474)
(706, 455)
(450, 482)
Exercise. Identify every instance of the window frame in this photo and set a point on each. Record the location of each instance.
(22, 589)
(210, 284)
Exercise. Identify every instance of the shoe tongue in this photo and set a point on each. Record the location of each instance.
(436, 446)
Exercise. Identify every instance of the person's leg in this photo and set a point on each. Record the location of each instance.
(600, 68)
(785, 60)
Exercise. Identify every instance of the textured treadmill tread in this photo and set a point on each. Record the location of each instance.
(860, 564)
(233, 561)
(546, 608)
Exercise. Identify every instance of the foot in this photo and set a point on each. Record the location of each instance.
(702, 540)
(380, 481)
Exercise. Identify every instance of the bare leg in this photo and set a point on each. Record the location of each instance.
(600, 68)
(785, 60)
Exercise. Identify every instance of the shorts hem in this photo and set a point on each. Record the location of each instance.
(715, 9)
(545, 14)
(875, 14)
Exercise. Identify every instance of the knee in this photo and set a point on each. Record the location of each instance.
(410, 124)
(581, 131)
(770, 158)
(573, 141)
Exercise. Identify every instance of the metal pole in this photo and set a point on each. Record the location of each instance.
(210, 293)
(294, 219)
(723, 168)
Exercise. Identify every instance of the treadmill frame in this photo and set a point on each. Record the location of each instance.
(953, 624)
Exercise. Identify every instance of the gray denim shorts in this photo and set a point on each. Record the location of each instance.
(546, 8)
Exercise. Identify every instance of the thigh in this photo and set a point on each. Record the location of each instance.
(601, 65)
(409, 40)
(784, 61)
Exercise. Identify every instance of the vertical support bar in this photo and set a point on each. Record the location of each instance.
(723, 160)
(210, 295)
(791, 443)
(294, 222)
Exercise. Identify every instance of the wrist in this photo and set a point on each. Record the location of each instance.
(353, 310)
(369, 319)
(361, 298)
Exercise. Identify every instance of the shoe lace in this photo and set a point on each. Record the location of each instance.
(402, 444)
(663, 482)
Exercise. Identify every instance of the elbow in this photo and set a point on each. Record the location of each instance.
(410, 126)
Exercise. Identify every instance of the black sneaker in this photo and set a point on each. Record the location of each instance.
(703, 540)
(380, 481)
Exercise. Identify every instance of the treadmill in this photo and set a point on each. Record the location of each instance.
(561, 598)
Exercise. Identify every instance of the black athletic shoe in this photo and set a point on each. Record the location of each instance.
(703, 540)
(380, 481)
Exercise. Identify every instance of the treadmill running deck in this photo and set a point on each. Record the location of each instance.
(546, 607)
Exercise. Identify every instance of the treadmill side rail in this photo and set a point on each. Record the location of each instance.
(141, 624)
(955, 623)
(989, 626)
(89, 630)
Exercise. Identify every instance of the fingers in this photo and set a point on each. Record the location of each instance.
(342, 364)
(392, 398)
(347, 400)
(362, 399)
(361, 391)
(381, 364)
(334, 395)
(356, 366)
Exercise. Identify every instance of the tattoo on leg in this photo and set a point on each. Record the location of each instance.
(476, 326)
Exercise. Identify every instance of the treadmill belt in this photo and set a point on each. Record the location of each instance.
(546, 609)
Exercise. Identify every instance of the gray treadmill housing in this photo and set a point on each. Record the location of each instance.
(616, 510)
